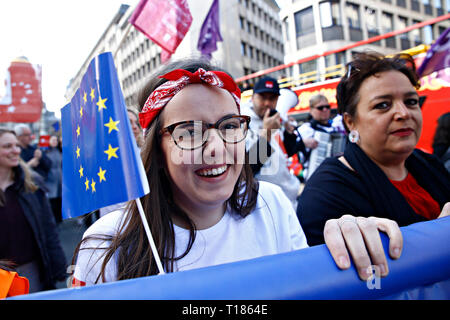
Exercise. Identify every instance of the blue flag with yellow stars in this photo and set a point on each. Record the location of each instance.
(101, 161)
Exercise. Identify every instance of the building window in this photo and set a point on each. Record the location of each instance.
(370, 16)
(415, 5)
(352, 14)
(404, 40)
(416, 35)
(401, 3)
(309, 68)
(242, 22)
(286, 28)
(330, 21)
(304, 21)
(304, 26)
(439, 4)
(387, 21)
(428, 34)
(243, 49)
(427, 7)
(402, 24)
(329, 14)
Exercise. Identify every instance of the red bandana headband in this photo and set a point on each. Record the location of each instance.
(178, 79)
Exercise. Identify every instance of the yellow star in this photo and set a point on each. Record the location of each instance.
(92, 94)
(112, 125)
(81, 171)
(81, 112)
(86, 183)
(101, 104)
(111, 152)
(101, 174)
(78, 152)
(78, 131)
(85, 97)
(93, 186)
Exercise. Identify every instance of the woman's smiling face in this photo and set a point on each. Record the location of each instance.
(206, 176)
(9, 150)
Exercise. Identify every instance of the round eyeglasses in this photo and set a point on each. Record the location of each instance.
(190, 135)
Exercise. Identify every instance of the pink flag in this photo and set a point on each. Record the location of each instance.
(165, 22)
(165, 56)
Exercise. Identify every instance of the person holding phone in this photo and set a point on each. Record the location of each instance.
(267, 158)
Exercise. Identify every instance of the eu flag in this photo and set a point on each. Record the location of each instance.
(101, 162)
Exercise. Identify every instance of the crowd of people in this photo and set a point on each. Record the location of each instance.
(220, 187)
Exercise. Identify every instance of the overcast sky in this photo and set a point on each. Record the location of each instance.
(59, 35)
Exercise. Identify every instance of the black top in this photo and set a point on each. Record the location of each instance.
(17, 241)
(39, 226)
(44, 162)
(334, 190)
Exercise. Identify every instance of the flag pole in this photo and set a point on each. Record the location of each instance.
(122, 40)
(149, 236)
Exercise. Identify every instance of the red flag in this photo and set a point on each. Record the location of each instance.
(23, 101)
(165, 22)
(44, 141)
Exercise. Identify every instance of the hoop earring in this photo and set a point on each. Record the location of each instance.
(353, 136)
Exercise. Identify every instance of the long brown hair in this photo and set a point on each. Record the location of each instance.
(29, 185)
(134, 255)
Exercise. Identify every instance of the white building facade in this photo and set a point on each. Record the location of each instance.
(252, 41)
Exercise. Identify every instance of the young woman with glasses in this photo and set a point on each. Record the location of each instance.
(204, 207)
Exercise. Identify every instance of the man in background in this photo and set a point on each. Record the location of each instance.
(32, 155)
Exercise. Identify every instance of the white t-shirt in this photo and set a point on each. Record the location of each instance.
(271, 228)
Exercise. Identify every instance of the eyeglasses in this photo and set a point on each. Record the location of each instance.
(190, 135)
(320, 108)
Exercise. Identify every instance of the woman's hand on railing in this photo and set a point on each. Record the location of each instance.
(359, 237)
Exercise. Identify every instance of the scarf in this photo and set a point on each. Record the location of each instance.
(383, 195)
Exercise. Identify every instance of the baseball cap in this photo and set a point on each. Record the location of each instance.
(267, 84)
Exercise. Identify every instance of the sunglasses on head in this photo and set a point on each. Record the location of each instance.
(320, 108)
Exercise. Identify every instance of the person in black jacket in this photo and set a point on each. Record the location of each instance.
(381, 174)
(28, 233)
(33, 156)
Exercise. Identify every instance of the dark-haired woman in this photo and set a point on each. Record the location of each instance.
(28, 233)
(381, 174)
(204, 207)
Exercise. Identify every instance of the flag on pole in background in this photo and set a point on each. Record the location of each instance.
(210, 31)
(44, 141)
(165, 22)
(438, 56)
(101, 163)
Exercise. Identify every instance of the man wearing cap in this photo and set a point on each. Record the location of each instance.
(266, 157)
